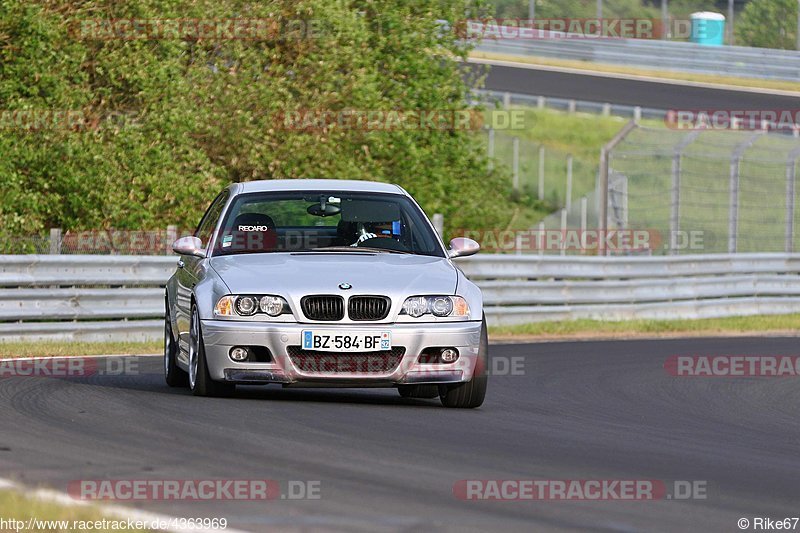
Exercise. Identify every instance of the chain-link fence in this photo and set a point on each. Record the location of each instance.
(710, 191)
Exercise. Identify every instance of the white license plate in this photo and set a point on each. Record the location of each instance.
(336, 341)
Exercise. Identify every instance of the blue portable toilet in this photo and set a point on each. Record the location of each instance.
(708, 28)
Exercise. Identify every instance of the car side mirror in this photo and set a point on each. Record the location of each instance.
(462, 247)
(190, 245)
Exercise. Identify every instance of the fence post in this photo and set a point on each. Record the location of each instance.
(541, 172)
(602, 184)
(790, 181)
(515, 161)
(584, 221)
(438, 224)
(568, 201)
(172, 236)
(490, 150)
(675, 207)
(55, 241)
(541, 239)
(733, 209)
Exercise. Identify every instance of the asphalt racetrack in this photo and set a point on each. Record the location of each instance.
(616, 90)
(569, 411)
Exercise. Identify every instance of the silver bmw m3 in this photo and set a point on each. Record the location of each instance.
(323, 283)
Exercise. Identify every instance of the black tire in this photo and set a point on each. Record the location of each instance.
(173, 374)
(418, 391)
(203, 384)
(471, 394)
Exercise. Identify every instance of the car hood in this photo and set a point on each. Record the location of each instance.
(297, 274)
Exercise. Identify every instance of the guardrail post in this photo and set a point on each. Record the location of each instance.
(541, 172)
(606, 109)
(568, 201)
(540, 102)
(563, 241)
(572, 107)
(515, 162)
(490, 150)
(733, 209)
(791, 163)
(506, 100)
(637, 114)
(55, 241)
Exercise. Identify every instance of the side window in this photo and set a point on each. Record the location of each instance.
(206, 227)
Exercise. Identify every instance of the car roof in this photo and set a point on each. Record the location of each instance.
(319, 184)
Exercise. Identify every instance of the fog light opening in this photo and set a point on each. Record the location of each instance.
(449, 355)
(239, 354)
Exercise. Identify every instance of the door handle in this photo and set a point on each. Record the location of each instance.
(181, 264)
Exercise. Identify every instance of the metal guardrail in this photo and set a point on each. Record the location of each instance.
(659, 55)
(97, 298)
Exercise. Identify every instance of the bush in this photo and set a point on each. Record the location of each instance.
(180, 118)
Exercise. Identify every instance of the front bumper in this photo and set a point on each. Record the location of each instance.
(219, 336)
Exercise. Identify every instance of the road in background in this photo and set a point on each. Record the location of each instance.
(545, 81)
(585, 410)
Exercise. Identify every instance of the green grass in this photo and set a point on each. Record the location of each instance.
(590, 328)
(47, 349)
(18, 507)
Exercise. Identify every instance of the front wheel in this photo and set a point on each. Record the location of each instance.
(200, 381)
(472, 393)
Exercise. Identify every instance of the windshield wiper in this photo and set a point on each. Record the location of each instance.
(368, 249)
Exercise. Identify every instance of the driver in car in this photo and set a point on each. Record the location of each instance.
(371, 230)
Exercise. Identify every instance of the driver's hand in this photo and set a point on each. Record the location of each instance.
(363, 237)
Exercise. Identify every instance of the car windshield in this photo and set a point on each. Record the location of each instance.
(325, 221)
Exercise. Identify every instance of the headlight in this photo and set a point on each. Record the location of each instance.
(440, 306)
(246, 305)
(250, 305)
(272, 305)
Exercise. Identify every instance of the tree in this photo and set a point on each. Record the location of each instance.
(181, 117)
(768, 24)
